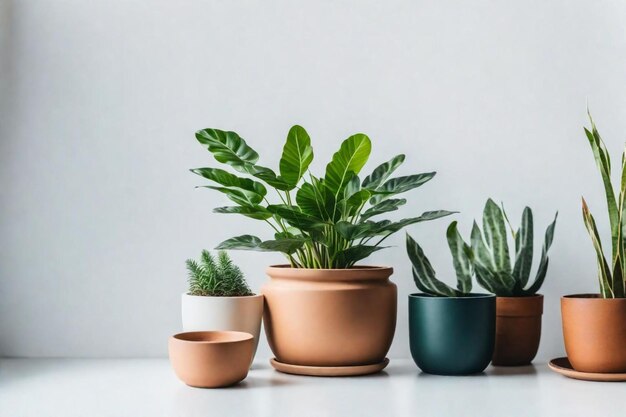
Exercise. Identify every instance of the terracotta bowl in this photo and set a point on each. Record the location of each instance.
(211, 359)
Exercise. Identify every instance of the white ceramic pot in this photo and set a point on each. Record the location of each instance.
(241, 314)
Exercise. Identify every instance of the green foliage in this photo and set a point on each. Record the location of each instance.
(318, 222)
(612, 278)
(216, 278)
(491, 258)
(424, 273)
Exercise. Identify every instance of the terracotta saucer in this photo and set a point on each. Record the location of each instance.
(563, 367)
(329, 370)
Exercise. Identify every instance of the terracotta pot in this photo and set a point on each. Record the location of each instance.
(518, 330)
(330, 317)
(211, 359)
(242, 314)
(594, 331)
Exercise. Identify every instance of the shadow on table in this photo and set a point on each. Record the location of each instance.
(512, 370)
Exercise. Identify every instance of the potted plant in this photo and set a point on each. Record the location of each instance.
(323, 311)
(518, 306)
(594, 325)
(219, 298)
(451, 330)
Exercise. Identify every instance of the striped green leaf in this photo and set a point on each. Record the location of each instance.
(228, 148)
(604, 271)
(523, 249)
(400, 185)
(543, 264)
(254, 212)
(382, 172)
(424, 274)
(383, 207)
(461, 261)
(254, 191)
(495, 236)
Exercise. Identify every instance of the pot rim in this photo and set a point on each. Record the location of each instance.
(234, 337)
(591, 297)
(186, 294)
(470, 296)
(352, 268)
(521, 297)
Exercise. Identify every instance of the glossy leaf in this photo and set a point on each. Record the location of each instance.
(494, 231)
(350, 256)
(543, 264)
(347, 161)
(295, 217)
(297, 156)
(284, 245)
(243, 242)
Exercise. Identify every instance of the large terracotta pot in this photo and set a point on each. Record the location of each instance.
(518, 330)
(330, 317)
(594, 331)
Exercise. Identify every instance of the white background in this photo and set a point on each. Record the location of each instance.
(100, 100)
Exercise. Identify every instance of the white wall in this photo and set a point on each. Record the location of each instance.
(101, 98)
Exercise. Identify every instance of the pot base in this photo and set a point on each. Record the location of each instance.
(563, 367)
(329, 370)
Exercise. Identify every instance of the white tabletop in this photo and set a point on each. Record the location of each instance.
(148, 387)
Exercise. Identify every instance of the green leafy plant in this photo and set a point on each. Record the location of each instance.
(491, 258)
(612, 277)
(318, 222)
(424, 274)
(216, 278)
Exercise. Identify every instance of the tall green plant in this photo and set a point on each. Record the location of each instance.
(318, 222)
(491, 258)
(612, 277)
(424, 274)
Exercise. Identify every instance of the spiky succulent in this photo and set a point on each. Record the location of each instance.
(490, 253)
(612, 277)
(217, 278)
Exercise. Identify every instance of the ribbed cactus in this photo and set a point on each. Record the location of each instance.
(424, 274)
(612, 277)
(491, 259)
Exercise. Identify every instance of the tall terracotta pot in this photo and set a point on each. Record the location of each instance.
(518, 330)
(330, 317)
(594, 331)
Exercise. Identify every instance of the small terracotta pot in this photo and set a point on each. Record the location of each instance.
(330, 317)
(242, 314)
(211, 359)
(594, 331)
(518, 330)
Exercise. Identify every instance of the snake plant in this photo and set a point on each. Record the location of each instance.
(612, 277)
(491, 258)
(424, 274)
(318, 221)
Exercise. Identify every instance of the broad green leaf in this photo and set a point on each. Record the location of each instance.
(296, 157)
(357, 200)
(266, 175)
(351, 231)
(284, 245)
(462, 263)
(296, 218)
(243, 242)
(347, 161)
(254, 212)
(547, 242)
(228, 148)
(489, 281)
(495, 236)
(382, 207)
(348, 257)
(239, 196)
(423, 272)
(232, 181)
(312, 200)
(524, 249)
(400, 185)
(382, 172)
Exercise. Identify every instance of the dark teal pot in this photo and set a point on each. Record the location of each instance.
(452, 335)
